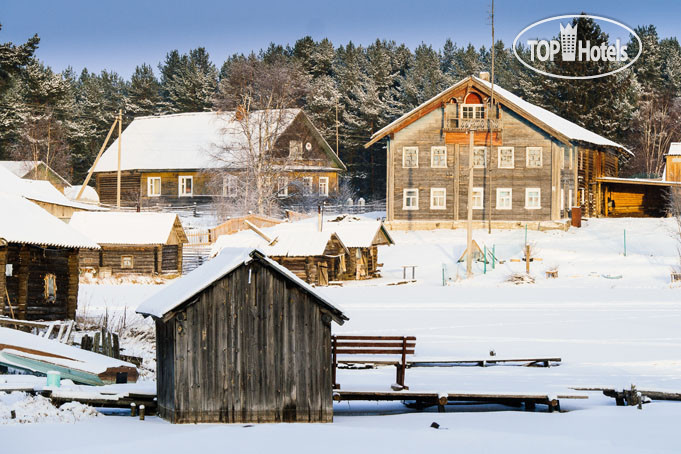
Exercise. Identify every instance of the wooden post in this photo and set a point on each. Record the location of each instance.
(22, 294)
(3, 280)
(527, 258)
(72, 295)
(491, 138)
(575, 184)
(141, 412)
(118, 172)
(469, 225)
(334, 361)
(99, 155)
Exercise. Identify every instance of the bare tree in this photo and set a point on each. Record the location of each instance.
(256, 102)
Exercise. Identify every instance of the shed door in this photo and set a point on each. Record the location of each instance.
(323, 274)
(169, 259)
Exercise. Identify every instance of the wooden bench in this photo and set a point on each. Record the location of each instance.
(400, 346)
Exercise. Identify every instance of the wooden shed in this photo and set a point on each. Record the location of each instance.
(241, 340)
(38, 262)
(132, 243)
(362, 239)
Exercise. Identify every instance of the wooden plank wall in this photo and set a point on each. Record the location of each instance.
(130, 185)
(246, 352)
(144, 258)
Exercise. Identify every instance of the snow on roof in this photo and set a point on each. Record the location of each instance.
(125, 227)
(675, 149)
(25, 222)
(23, 168)
(180, 141)
(565, 127)
(181, 290)
(89, 194)
(37, 190)
(354, 232)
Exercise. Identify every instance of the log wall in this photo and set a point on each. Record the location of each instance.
(243, 352)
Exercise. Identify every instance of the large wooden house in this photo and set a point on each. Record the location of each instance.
(38, 262)
(132, 243)
(242, 340)
(174, 159)
(528, 163)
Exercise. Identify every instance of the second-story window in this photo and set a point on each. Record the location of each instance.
(410, 157)
(295, 149)
(480, 157)
(472, 111)
(438, 157)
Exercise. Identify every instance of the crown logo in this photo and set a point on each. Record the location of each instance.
(568, 42)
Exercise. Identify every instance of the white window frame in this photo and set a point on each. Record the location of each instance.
(481, 205)
(282, 186)
(527, 157)
(562, 199)
(229, 185)
(404, 157)
(324, 186)
(569, 201)
(484, 157)
(582, 195)
(510, 199)
(414, 206)
(433, 196)
(499, 150)
(442, 149)
(477, 109)
(527, 198)
(150, 186)
(308, 185)
(182, 186)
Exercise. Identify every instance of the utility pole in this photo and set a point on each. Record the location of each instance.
(118, 175)
(337, 140)
(469, 224)
(99, 155)
(491, 138)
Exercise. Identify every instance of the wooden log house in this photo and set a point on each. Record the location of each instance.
(362, 238)
(170, 160)
(242, 340)
(38, 262)
(132, 243)
(36, 170)
(529, 164)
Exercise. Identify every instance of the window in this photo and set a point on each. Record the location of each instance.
(229, 183)
(479, 157)
(324, 186)
(534, 157)
(154, 186)
(410, 199)
(295, 149)
(127, 262)
(582, 195)
(186, 186)
(438, 157)
(569, 204)
(282, 187)
(581, 159)
(478, 198)
(410, 157)
(51, 288)
(438, 198)
(562, 199)
(532, 198)
(504, 196)
(472, 111)
(505, 157)
(307, 184)
(567, 158)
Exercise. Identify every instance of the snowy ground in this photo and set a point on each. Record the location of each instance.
(609, 332)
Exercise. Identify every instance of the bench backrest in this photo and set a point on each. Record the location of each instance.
(373, 345)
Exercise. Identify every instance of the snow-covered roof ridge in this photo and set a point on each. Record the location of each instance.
(183, 289)
(360, 233)
(30, 224)
(125, 227)
(22, 168)
(555, 122)
(191, 140)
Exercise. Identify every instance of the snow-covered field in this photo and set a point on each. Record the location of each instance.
(609, 332)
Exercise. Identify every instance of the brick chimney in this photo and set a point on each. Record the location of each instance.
(484, 75)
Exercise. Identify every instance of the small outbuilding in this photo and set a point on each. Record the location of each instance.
(38, 262)
(362, 238)
(242, 340)
(132, 243)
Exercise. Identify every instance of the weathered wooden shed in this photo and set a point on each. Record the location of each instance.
(242, 339)
(38, 262)
(132, 243)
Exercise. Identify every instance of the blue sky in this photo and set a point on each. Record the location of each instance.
(120, 35)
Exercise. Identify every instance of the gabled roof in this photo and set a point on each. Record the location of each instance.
(23, 169)
(359, 233)
(25, 222)
(127, 228)
(189, 141)
(557, 126)
(184, 289)
(38, 190)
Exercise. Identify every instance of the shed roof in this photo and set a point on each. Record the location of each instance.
(184, 289)
(25, 222)
(127, 227)
(543, 118)
(23, 168)
(355, 232)
(675, 149)
(189, 141)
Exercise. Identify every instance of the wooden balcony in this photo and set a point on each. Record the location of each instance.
(466, 124)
